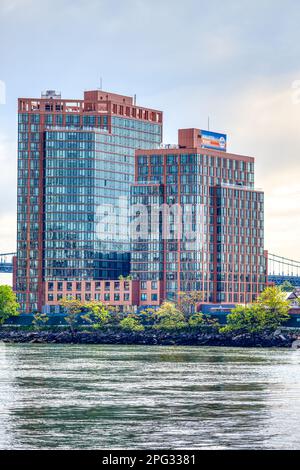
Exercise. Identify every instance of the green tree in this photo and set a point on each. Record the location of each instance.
(116, 315)
(40, 320)
(131, 323)
(97, 315)
(148, 317)
(188, 302)
(287, 286)
(269, 312)
(9, 306)
(245, 319)
(196, 320)
(169, 317)
(276, 308)
(203, 322)
(73, 308)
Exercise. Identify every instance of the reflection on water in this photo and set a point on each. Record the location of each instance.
(56, 396)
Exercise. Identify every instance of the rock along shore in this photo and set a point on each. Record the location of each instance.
(151, 337)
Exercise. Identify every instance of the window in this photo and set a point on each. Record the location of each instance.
(48, 119)
(154, 297)
(78, 285)
(126, 297)
(107, 285)
(50, 297)
(69, 286)
(117, 297)
(59, 120)
(98, 286)
(107, 297)
(143, 297)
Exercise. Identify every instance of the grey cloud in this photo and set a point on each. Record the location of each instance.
(234, 61)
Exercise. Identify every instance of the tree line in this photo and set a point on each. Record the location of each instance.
(269, 312)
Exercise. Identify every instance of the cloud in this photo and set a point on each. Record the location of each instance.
(11, 6)
(8, 192)
(233, 61)
(267, 125)
(261, 120)
(8, 233)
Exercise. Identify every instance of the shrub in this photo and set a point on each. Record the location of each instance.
(169, 317)
(40, 320)
(97, 314)
(267, 314)
(9, 306)
(131, 324)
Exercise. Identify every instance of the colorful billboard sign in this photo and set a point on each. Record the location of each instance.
(213, 140)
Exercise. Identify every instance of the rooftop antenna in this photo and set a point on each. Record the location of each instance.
(134, 100)
(208, 123)
(101, 83)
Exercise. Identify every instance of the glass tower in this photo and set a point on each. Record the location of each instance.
(219, 249)
(75, 168)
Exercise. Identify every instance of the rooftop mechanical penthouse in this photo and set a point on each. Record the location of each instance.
(74, 156)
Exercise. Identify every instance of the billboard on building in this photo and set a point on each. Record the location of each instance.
(213, 140)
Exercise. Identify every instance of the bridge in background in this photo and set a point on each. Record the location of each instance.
(283, 269)
(280, 269)
(6, 262)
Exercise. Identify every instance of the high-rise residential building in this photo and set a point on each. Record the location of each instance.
(75, 157)
(203, 229)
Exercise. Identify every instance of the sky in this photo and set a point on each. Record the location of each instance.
(236, 61)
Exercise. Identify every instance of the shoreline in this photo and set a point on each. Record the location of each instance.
(152, 338)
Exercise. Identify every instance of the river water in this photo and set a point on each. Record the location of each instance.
(135, 397)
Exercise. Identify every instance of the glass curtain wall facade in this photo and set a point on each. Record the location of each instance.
(147, 246)
(75, 161)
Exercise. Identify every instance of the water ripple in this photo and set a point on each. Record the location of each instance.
(139, 397)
